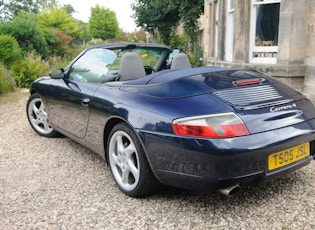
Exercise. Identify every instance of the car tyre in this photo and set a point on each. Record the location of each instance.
(38, 117)
(128, 163)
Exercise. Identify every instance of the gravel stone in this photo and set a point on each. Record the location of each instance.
(55, 183)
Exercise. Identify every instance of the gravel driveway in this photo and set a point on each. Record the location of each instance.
(58, 184)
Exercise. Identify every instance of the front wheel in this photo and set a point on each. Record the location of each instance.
(128, 164)
(37, 116)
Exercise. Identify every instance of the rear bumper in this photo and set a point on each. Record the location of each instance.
(212, 184)
(211, 164)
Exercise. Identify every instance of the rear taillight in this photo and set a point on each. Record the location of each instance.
(224, 125)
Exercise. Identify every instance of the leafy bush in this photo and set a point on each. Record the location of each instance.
(9, 50)
(7, 82)
(59, 19)
(196, 59)
(198, 55)
(25, 29)
(27, 70)
(179, 41)
(60, 29)
(59, 62)
(59, 42)
(95, 41)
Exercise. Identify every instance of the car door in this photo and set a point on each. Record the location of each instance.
(68, 98)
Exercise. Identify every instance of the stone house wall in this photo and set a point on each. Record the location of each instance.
(295, 60)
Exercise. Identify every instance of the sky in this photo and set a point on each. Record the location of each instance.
(122, 8)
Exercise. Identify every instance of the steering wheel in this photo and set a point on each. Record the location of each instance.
(149, 70)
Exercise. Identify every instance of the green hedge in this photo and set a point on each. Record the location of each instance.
(9, 50)
(7, 82)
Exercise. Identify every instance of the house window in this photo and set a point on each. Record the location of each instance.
(230, 30)
(264, 31)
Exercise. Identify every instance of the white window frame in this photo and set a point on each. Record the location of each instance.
(216, 30)
(260, 49)
(229, 42)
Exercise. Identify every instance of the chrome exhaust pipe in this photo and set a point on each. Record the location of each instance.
(230, 191)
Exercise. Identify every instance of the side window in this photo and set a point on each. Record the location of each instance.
(92, 66)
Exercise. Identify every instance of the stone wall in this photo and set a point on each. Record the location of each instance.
(309, 85)
(296, 57)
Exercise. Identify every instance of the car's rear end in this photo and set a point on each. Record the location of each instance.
(276, 116)
(237, 128)
(267, 106)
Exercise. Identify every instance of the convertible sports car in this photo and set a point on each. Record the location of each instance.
(155, 120)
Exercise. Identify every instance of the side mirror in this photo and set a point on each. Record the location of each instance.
(57, 73)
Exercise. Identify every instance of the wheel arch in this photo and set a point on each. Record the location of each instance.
(32, 91)
(110, 124)
(149, 180)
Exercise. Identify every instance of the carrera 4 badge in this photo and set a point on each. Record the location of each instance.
(280, 108)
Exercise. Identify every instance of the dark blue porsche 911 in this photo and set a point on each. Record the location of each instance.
(157, 121)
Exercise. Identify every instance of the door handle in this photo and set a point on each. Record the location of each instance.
(85, 101)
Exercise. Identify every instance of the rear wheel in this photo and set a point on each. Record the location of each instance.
(128, 163)
(37, 116)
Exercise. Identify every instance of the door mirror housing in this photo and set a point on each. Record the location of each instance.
(57, 73)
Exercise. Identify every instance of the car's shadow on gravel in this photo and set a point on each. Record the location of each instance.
(258, 194)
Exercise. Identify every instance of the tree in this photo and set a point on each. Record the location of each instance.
(11, 8)
(135, 36)
(190, 11)
(85, 37)
(2, 10)
(165, 16)
(29, 35)
(59, 19)
(61, 29)
(103, 23)
(162, 15)
(58, 41)
(69, 8)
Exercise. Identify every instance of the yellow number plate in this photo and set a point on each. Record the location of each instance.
(288, 156)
